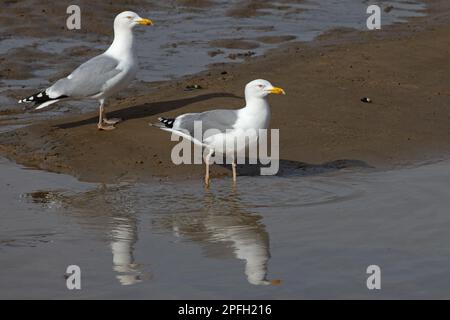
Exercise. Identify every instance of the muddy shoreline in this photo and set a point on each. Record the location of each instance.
(403, 68)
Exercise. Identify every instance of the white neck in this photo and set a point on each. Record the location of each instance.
(256, 104)
(255, 115)
(123, 44)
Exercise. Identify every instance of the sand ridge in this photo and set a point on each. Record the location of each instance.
(403, 68)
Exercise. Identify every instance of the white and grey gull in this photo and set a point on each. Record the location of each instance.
(225, 125)
(102, 76)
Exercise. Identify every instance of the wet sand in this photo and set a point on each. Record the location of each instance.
(402, 68)
(312, 230)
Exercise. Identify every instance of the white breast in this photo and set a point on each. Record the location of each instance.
(254, 116)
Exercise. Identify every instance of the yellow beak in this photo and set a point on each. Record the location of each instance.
(276, 90)
(145, 22)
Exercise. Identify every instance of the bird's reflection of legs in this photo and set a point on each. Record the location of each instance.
(207, 165)
(116, 215)
(234, 167)
(123, 238)
(229, 222)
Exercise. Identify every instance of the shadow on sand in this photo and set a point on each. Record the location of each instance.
(289, 168)
(149, 109)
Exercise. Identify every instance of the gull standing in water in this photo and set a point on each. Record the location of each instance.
(227, 125)
(103, 75)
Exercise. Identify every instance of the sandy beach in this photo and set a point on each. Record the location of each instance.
(360, 184)
(321, 120)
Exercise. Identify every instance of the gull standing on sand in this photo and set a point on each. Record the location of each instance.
(103, 75)
(230, 123)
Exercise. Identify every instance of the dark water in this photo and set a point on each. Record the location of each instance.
(180, 43)
(316, 233)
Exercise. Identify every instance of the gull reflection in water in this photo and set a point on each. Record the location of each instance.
(117, 220)
(123, 239)
(219, 221)
(226, 224)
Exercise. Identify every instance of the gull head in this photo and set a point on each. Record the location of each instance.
(130, 19)
(261, 89)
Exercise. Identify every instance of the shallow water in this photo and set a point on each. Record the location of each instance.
(180, 43)
(185, 37)
(317, 233)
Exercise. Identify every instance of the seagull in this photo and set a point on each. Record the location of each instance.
(227, 124)
(101, 76)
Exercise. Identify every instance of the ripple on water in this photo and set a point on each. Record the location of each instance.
(188, 198)
(182, 40)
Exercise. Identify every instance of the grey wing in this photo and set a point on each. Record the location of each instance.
(216, 119)
(88, 79)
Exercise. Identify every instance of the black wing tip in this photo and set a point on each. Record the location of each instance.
(168, 123)
(39, 98)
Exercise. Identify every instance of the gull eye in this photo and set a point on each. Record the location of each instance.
(130, 17)
(260, 86)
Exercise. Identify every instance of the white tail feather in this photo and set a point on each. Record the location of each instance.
(185, 135)
(46, 104)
